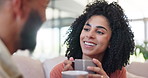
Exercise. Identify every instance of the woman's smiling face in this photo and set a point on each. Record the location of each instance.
(95, 36)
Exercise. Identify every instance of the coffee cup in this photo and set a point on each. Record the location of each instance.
(74, 74)
(82, 64)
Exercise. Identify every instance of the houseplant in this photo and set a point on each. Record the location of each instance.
(143, 48)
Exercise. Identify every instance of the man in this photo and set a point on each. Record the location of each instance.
(19, 23)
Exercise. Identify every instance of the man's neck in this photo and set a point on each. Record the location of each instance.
(9, 45)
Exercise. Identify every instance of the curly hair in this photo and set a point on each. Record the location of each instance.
(122, 38)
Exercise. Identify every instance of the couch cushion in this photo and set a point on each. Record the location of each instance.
(138, 68)
(30, 68)
(48, 64)
(130, 75)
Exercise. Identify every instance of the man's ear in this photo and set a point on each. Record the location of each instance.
(17, 8)
(20, 9)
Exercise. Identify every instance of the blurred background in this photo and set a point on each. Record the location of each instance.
(61, 13)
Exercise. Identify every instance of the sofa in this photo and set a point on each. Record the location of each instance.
(48, 64)
(137, 70)
(32, 68)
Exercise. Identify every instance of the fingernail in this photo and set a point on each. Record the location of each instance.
(88, 67)
(63, 64)
(94, 59)
(71, 58)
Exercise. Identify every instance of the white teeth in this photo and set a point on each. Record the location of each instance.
(90, 44)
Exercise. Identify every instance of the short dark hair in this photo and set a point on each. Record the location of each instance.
(121, 42)
(1, 2)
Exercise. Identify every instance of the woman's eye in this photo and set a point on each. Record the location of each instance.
(86, 29)
(99, 32)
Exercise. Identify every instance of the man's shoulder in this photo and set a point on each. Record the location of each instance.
(3, 73)
(8, 69)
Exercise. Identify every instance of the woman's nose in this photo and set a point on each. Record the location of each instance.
(90, 34)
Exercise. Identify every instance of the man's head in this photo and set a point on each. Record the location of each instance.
(20, 21)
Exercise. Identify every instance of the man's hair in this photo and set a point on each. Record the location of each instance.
(1, 2)
(121, 43)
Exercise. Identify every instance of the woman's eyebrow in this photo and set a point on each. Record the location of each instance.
(101, 27)
(87, 24)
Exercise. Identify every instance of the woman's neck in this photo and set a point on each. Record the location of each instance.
(99, 57)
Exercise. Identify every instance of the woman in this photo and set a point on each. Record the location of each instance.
(101, 33)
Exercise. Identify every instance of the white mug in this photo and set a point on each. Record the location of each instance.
(74, 74)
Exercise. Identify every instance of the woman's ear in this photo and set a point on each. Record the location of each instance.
(108, 45)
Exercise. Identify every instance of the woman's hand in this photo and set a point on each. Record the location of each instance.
(99, 72)
(68, 64)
